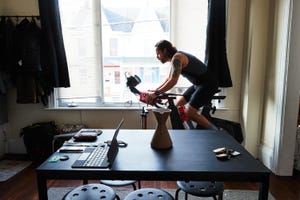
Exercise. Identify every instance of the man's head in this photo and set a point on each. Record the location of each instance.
(165, 51)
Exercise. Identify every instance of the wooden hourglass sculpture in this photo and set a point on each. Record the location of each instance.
(161, 138)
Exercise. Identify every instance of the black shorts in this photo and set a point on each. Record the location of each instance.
(200, 95)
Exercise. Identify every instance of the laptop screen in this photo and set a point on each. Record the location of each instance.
(118, 129)
(114, 146)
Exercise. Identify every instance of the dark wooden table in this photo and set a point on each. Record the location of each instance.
(191, 158)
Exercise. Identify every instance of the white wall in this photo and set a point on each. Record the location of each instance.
(254, 72)
(20, 7)
(194, 30)
(274, 82)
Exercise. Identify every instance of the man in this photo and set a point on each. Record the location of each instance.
(204, 83)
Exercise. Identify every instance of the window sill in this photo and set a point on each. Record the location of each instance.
(99, 108)
(112, 108)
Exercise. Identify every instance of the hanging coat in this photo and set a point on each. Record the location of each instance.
(28, 65)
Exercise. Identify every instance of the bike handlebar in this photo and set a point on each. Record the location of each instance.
(164, 96)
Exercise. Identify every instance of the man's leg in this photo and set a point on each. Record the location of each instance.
(196, 96)
(200, 96)
(194, 115)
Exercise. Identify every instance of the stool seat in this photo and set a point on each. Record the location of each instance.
(149, 194)
(201, 189)
(121, 183)
(91, 192)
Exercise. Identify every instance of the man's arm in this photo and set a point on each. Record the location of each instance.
(176, 67)
(170, 82)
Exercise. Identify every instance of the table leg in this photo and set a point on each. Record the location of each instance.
(42, 187)
(264, 189)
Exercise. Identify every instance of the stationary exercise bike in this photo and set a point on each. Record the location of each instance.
(178, 119)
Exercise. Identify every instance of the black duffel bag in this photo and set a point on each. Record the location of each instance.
(233, 128)
(38, 140)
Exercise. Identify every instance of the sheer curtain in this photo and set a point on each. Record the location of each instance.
(53, 58)
(215, 52)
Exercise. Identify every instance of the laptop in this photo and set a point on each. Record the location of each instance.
(101, 156)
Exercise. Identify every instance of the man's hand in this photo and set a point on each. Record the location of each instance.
(148, 98)
(151, 98)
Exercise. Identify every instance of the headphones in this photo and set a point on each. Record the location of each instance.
(132, 81)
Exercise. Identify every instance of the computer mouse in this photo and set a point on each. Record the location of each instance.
(64, 157)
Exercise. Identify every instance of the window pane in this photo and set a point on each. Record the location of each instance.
(130, 30)
(81, 33)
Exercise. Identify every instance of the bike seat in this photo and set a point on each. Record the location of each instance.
(218, 97)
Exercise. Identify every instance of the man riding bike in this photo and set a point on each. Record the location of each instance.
(204, 86)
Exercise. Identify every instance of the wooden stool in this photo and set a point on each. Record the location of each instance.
(121, 183)
(91, 192)
(149, 194)
(201, 189)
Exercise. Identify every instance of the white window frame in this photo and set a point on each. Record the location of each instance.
(177, 24)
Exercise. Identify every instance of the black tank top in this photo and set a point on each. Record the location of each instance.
(196, 71)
